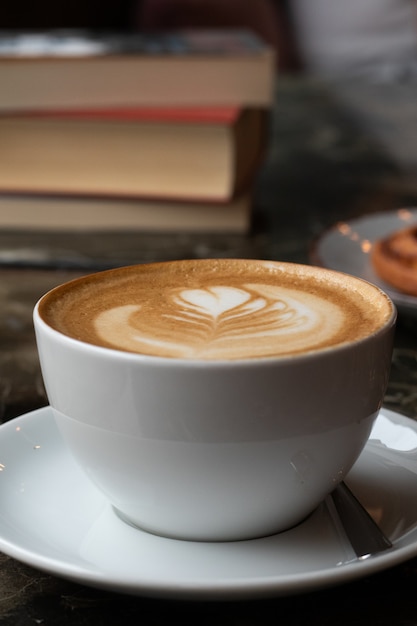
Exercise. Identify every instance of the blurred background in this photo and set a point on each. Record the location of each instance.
(323, 36)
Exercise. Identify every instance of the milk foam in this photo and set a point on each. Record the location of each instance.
(254, 319)
(216, 309)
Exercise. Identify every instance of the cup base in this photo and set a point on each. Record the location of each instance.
(203, 538)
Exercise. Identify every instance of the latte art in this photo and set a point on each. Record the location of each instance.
(211, 322)
(215, 309)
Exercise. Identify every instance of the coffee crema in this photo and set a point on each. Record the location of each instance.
(216, 309)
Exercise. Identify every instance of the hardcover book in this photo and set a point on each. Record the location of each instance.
(81, 213)
(203, 154)
(81, 69)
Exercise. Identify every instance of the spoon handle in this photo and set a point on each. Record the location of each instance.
(363, 532)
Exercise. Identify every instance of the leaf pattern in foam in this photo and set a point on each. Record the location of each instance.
(221, 321)
(219, 311)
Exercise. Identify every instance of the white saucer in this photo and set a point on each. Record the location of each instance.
(53, 519)
(346, 246)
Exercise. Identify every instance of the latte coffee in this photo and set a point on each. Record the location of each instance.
(216, 309)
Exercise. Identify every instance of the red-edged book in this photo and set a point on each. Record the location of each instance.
(204, 154)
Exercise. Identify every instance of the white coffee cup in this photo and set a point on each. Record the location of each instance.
(213, 445)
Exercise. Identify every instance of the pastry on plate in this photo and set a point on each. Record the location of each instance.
(394, 259)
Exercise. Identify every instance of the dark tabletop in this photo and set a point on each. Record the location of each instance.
(337, 151)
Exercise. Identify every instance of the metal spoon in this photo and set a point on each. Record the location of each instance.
(361, 529)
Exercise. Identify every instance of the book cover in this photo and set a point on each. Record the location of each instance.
(62, 43)
(226, 115)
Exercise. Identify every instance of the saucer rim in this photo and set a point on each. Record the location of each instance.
(231, 589)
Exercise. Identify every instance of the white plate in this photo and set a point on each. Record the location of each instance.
(346, 246)
(53, 519)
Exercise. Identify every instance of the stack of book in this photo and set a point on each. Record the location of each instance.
(131, 131)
